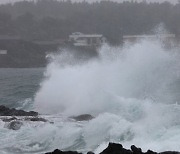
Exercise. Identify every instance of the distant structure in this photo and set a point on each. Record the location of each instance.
(3, 52)
(134, 38)
(167, 40)
(79, 39)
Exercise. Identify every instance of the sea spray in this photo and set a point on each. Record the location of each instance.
(142, 71)
(132, 91)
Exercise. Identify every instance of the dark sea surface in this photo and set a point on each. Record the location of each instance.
(18, 86)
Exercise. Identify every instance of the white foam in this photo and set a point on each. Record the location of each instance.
(129, 90)
(142, 71)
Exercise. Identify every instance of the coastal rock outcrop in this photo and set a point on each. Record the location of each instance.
(83, 117)
(5, 111)
(15, 123)
(8, 119)
(61, 152)
(28, 118)
(35, 119)
(114, 148)
(14, 119)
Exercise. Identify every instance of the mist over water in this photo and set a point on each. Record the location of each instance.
(143, 71)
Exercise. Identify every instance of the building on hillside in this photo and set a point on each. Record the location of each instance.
(3, 52)
(78, 39)
(167, 40)
(134, 38)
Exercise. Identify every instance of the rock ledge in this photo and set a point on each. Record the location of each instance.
(114, 148)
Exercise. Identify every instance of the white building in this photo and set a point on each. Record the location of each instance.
(86, 40)
(167, 40)
(133, 38)
(3, 52)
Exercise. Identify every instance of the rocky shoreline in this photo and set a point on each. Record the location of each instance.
(5, 111)
(14, 119)
(114, 148)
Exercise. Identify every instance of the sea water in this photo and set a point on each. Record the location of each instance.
(132, 91)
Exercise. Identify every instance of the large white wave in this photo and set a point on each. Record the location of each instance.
(141, 71)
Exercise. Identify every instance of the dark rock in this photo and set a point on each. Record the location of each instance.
(136, 150)
(114, 148)
(63, 152)
(5, 111)
(15, 125)
(9, 119)
(151, 152)
(57, 151)
(28, 118)
(35, 119)
(90, 152)
(83, 117)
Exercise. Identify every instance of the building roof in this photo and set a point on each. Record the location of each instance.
(78, 34)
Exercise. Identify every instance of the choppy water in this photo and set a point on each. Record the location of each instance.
(18, 86)
(133, 92)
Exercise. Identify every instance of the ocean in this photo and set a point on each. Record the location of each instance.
(18, 86)
(132, 91)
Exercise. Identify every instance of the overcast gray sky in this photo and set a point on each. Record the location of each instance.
(172, 1)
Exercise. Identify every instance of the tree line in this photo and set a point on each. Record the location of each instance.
(46, 20)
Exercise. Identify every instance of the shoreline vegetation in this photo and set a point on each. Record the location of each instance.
(24, 54)
(31, 29)
(52, 21)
